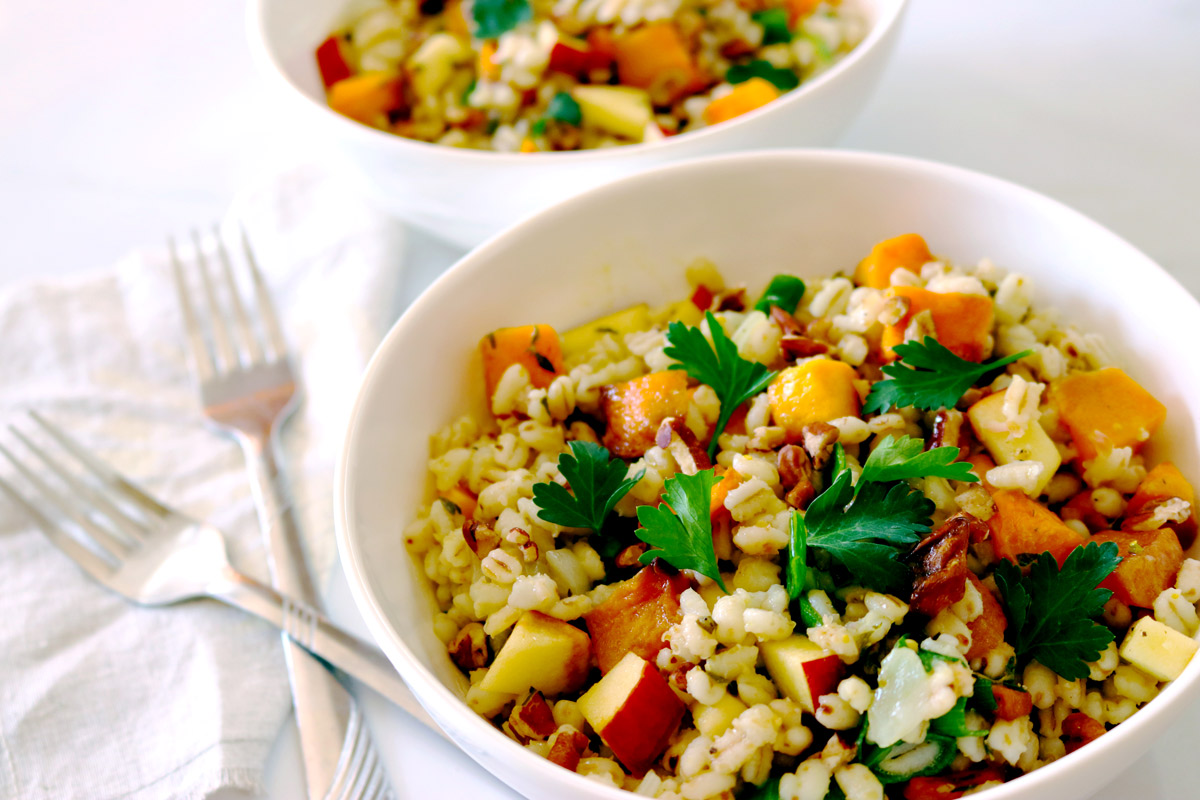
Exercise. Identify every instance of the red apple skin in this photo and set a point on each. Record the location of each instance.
(822, 676)
(644, 724)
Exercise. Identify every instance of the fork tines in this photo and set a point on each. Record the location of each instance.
(231, 334)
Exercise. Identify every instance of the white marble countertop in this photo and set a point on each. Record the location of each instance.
(121, 123)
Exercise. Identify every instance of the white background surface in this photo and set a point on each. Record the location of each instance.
(123, 122)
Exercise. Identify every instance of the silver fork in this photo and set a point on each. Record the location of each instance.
(248, 391)
(153, 554)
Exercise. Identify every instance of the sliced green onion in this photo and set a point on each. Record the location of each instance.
(904, 761)
(797, 565)
(774, 23)
(784, 291)
(809, 614)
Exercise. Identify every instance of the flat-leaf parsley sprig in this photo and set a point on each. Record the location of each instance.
(718, 365)
(1051, 611)
(905, 458)
(928, 376)
(598, 483)
(494, 17)
(680, 528)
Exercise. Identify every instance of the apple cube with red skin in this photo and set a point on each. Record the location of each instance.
(541, 653)
(635, 616)
(634, 711)
(802, 669)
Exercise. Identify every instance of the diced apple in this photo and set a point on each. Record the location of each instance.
(578, 341)
(635, 616)
(542, 653)
(1156, 649)
(802, 669)
(621, 110)
(715, 719)
(1030, 444)
(634, 711)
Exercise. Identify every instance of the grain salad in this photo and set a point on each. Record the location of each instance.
(541, 75)
(887, 534)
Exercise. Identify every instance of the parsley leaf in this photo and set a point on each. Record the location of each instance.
(781, 78)
(598, 482)
(863, 530)
(1051, 610)
(905, 458)
(797, 565)
(494, 17)
(733, 378)
(954, 722)
(680, 528)
(563, 108)
(774, 22)
(928, 376)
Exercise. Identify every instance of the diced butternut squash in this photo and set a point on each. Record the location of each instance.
(1150, 562)
(1162, 483)
(987, 630)
(367, 97)
(1029, 444)
(1157, 649)
(655, 57)
(1021, 525)
(745, 97)
(542, 653)
(1082, 507)
(729, 481)
(908, 252)
(634, 410)
(535, 347)
(1105, 410)
(578, 341)
(1011, 703)
(798, 9)
(817, 390)
(487, 68)
(962, 322)
(462, 499)
(635, 616)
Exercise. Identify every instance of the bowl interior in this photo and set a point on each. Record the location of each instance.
(754, 215)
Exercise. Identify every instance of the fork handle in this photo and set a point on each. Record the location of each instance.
(316, 633)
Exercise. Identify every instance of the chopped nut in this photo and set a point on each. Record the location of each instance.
(480, 538)
(802, 346)
(786, 322)
(468, 648)
(567, 747)
(941, 562)
(533, 719)
(732, 300)
(819, 438)
(947, 429)
(677, 438)
(630, 555)
(529, 552)
(795, 475)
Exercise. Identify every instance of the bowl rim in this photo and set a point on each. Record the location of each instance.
(430, 690)
(891, 12)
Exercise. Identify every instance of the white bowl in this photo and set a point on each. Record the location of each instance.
(464, 196)
(754, 215)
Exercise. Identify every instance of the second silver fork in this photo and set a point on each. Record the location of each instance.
(248, 390)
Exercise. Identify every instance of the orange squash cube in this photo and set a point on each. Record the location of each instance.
(1106, 409)
(1150, 562)
(817, 390)
(367, 97)
(962, 322)
(635, 409)
(1022, 525)
(729, 481)
(1164, 482)
(908, 251)
(987, 630)
(635, 616)
(655, 57)
(535, 347)
(745, 97)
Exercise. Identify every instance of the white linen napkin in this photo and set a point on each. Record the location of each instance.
(103, 699)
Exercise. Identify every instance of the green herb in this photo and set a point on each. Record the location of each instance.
(538, 128)
(808, 613)
(904, 458)
(954, 722)
(681, 528)
(597, 481)
(904, 761)
(451, 507)
(928, 376)
(774, 23)
(768, 791)
(797, 565)
(984, 697)
(929, 656)
(1051, 611)
(734, 379)
(784, 291)
(783, 79)
(863, 531)
(467, 92)
(563, 108)
(494, 17)
(839, 464)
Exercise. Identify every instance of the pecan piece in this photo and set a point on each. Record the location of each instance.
(677, 438)
(630, 555)
(468, 649)
(567, 747)
(941, 563)
(802, 347)
(786, 322)
(795, 475)
(947, 429)
(533, 719)
(819, 438)
(480, 538)
(732, 300)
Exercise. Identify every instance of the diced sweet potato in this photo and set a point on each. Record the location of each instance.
(1082, 507)
(1079, 729)
(987, 630)
(367, 97)
(908, 251)
(462, 498)
(729, 481)
(635, 409)
(535, 347)
(1150, 562)
(1022, 525)
(1011, 703)
(798, 9)
(1162, 483)
(655, 57)
(745, 97)
(635, 616)
(815, 391)
(1106, 410)
(962, 322)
